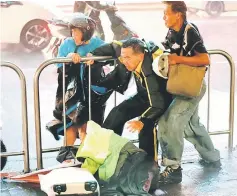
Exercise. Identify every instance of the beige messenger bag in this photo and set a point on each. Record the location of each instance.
(185, 80)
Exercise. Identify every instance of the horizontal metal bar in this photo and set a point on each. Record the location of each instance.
(134, 141)
(210, 133)
(232, 93)
(50, 150)
(37, 103)
(57, 149)
(23, 111)
(8, 154)
(218, 132)
(54, 149)
(69, 60)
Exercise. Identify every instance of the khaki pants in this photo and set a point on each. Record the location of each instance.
(180, 121)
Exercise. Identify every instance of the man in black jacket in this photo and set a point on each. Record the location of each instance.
(135, 58)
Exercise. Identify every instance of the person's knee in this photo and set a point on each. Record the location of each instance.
(177, 121)
(171, 126)
(116, 116)
(118, 110)
(72, 129)
(170, 122)
(162, 123)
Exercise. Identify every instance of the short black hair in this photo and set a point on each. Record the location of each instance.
(136, 44)
(178, 6)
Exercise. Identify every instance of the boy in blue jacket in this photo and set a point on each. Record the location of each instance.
(79, 45)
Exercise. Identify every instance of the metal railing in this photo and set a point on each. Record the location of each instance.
(68, 60)
(232, 98)
(25, 151)
(63, 60)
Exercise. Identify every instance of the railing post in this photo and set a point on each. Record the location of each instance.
(37, 107)
(115, 98)
(64, 107)
(68, 60)
(232, 93)
(25, 152)
(37, 102)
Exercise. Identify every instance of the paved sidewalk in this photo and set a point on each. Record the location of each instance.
(197, 180)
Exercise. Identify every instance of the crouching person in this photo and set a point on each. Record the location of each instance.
(121, 167)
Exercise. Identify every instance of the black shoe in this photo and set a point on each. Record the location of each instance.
(171, 176)
(57, 114)
(52, 126)
(214, 164)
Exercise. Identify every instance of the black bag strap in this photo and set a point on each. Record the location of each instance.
(188, 26)
(72, 69)
(75, 51)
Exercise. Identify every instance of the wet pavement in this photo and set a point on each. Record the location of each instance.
(197, 180)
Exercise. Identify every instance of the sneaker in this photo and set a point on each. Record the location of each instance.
(214, 164)
(171, 176)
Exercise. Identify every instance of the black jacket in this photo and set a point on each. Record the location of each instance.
(152, 87)
(76, 85)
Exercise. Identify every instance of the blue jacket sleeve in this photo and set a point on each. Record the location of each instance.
(62, 52)
(99, 42)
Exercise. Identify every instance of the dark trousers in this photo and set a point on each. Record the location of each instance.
(128, 110)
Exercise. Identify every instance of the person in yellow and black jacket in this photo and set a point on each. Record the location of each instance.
(134, 59)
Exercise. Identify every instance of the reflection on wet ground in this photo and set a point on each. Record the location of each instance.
(197, 180)
(15, 188)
